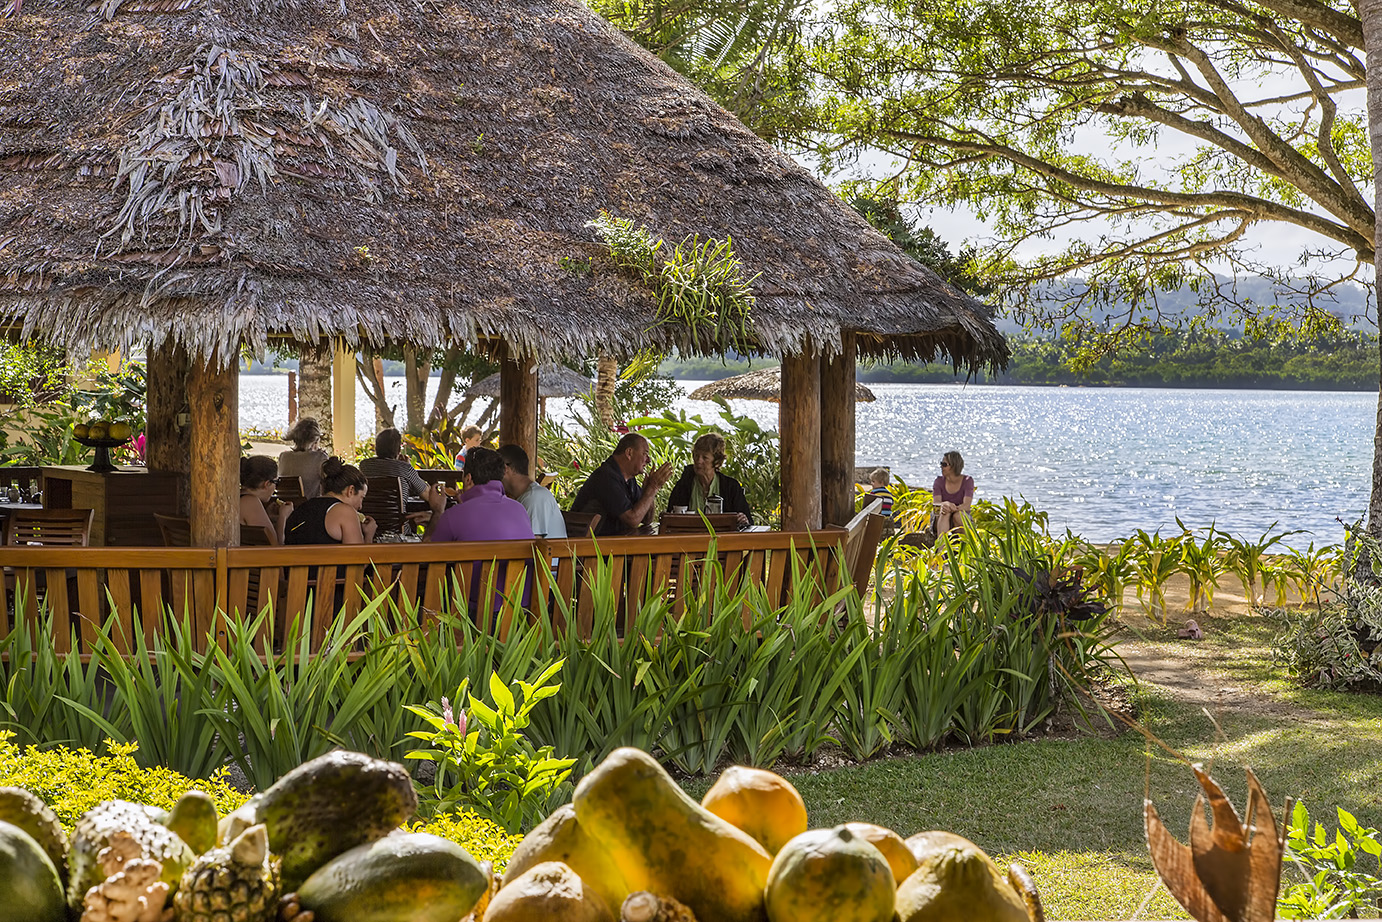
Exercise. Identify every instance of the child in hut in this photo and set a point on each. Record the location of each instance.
(879, 490)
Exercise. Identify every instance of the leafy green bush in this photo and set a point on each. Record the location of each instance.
(493, 769)
(72, 781)
(1330, 880)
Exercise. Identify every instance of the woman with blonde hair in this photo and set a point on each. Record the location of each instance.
(703, 478)
(952, 495)
(305, 458)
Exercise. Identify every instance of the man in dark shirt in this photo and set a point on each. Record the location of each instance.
(613, 491)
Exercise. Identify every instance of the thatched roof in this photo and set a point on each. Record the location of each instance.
(764, 384)
(552, 381)
(223, 173)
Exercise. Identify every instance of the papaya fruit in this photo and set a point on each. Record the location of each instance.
(561, 837)
(24, 809)
(410, 877)
(664, 842)
(194, 819)
(30, 890)
(547, 892)
(959, 881)
(330, 805)
(761, 803)
(900, 858)
(923, 844)
(830, 875)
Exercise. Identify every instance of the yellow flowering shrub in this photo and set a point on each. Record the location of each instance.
(484, 840)
(72, 781)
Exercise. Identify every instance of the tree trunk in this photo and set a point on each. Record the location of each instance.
(415, 371)
(314, 387)
(445, 385)
(606, 377)
(369, 369)
(1370, 12)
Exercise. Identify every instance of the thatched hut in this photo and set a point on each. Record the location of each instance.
(201, 178)
(762, 384)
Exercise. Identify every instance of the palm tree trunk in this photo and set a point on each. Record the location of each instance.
(606, 376)
(314, 387)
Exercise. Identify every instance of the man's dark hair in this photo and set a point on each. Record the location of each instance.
(388, 443)
(632, 440)
(484, 464)
(515, 457)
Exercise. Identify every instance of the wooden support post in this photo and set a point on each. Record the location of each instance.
(214, 395)
(518, 402)
(837, 434)
(799, 425)
(292, 397)
(167, 444)
(343, 399)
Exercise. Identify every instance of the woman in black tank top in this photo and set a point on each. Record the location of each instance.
(334, 517)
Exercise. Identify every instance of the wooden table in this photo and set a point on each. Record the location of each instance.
(124, 501)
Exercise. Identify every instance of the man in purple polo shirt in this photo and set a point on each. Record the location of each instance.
(483, 512)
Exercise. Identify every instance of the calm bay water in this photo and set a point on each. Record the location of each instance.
(1101, 461)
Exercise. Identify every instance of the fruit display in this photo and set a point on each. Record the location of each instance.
(327, 843)
(102, 430)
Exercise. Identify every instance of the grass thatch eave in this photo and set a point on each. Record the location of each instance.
(760, 384)
(416, 173)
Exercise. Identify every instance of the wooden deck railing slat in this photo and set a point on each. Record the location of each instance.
(91, 588)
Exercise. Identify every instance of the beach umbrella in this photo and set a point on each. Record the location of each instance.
(552, 381)
(764, 384)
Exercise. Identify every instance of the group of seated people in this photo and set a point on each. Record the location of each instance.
(499, 499)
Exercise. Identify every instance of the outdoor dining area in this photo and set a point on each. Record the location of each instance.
(382, 222)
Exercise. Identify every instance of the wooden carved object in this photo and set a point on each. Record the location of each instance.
(1230, 870)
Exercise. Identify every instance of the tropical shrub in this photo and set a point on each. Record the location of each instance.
(1332, 879)
(72, 781)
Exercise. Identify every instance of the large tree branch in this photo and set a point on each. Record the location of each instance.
(1259, 209)
(1345, 28)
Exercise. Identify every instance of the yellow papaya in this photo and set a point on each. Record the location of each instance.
(663, 841)
(959, 881)
(923, 844)
(561, 837)
(900, 858)
(761, 803)
(830, 875)
(547, 892)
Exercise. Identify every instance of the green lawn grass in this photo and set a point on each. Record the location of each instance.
(1071, 810)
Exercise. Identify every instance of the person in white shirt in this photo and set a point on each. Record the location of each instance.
(543, 511)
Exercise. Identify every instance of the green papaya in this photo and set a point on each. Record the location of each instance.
(24, 809)
(411, 877)
(30, 890)
(193, 818)
(330, 805)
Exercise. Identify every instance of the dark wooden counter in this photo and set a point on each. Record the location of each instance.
(124, 501)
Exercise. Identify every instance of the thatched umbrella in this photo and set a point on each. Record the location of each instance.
(219, 174)
(763, 384)
(553, 380)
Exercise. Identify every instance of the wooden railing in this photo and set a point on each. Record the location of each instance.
(87, 590)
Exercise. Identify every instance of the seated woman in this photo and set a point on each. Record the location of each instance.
(334, 517)
(952, 493)
(305, 458)
(702, 478)
(258, 476)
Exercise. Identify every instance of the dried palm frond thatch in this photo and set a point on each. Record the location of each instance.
(419, 172)
(764, 384)
(552, 381)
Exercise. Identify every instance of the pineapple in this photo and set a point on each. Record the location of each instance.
(236, 883)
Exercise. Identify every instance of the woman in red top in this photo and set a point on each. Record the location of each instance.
(952, 493)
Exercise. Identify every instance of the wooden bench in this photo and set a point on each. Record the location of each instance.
(113, 586)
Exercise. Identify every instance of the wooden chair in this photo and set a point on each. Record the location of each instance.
(256, 536)
(862, 535)
(674, 523)
(50, 527)
(289, 490)
(175, 529)
(384, 500)
(581, 524)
